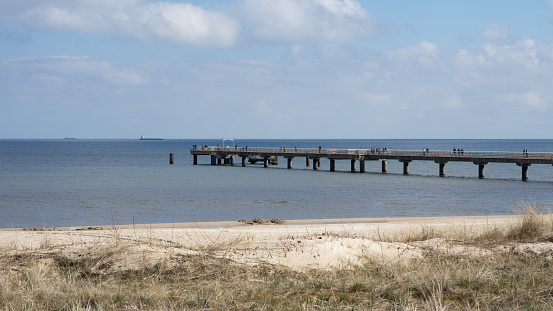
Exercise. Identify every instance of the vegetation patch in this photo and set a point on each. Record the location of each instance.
(514, 270)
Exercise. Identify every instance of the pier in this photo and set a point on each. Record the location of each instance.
(271, 155)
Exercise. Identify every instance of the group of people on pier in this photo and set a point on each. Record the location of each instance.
(202, 147)
(378, 150)
(459, 151)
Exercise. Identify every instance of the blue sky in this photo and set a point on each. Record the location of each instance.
(276, 69)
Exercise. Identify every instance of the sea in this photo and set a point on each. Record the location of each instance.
(74, 182)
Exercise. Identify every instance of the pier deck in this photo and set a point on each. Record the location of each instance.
(227, 154)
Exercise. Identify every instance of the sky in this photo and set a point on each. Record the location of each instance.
(265, 69)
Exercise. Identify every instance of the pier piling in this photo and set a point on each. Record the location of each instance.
(524, 170)
(481, 170)
(405, 167)
(442, 169)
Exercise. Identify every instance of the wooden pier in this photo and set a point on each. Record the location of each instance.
(270, 155)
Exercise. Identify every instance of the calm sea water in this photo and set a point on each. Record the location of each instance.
(96, 182)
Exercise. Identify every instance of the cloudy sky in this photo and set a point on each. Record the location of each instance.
(276, 69)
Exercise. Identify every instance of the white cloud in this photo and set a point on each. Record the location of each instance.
(527, 101)
(72, 69)
(495, 31)
(526, 53)
(150, 21)
(308, 20)
(453, 102)
(423, 53)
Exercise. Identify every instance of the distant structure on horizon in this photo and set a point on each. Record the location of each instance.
(150, 138)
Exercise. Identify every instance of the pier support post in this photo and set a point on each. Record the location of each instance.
(362, 166)
(289, 163)
(213, 160)
(384, 166)
(332, 165)
(231, 161)
(524, 170)
(226, 161)
(244, 161)
(442, 169)
(405, 167)
(353, 163)
(218, 161)
(307, 161)
(265, 162)
(172, 158)
(315, 164)
(480, 169)
(195, 159)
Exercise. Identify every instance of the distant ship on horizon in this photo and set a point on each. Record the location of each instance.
(150, 138)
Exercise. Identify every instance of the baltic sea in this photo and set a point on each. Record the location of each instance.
(53, 183)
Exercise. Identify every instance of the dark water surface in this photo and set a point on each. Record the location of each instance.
(96, 182)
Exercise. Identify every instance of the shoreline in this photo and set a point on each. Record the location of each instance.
(433, 220)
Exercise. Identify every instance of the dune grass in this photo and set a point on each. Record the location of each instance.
(504, 278)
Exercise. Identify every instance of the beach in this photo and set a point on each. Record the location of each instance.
(297, 244)
(424, 263)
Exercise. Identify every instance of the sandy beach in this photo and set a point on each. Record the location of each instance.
(298, 244)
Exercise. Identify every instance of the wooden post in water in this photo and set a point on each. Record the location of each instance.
(384, 166)
(306, 161)
(172, 158)
(332, 165)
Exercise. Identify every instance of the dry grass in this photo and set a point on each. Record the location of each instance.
(505, 278)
